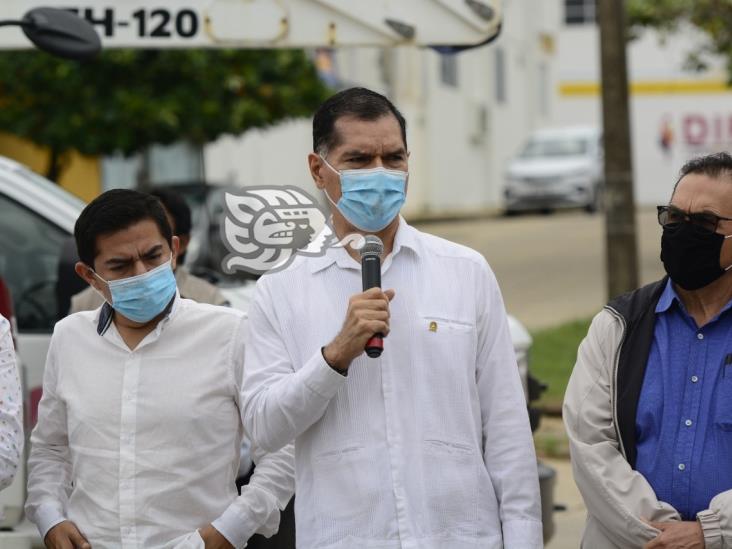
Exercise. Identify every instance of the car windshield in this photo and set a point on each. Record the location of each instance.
(555, 147)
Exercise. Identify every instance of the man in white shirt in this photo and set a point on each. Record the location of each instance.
(11, 407)
(190, 286)
(139, 429)
(428, 446)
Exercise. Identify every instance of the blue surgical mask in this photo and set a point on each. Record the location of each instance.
(371, 198)
(143, 297)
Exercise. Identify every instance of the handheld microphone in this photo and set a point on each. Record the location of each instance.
(371, 278)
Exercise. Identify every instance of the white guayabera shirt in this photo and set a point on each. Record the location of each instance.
(141, 448)
(11, 408)
(428, 446)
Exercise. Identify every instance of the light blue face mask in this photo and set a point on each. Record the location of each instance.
(370, 199)
(143, 297)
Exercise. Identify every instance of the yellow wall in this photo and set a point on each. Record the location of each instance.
(81, 177)
(650, 87)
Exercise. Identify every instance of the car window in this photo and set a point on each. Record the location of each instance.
(538, 148)
(30, 248)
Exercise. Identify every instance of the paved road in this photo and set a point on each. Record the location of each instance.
(570, 522)
(551, 268)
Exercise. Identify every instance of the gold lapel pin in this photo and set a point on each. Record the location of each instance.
(433, 326)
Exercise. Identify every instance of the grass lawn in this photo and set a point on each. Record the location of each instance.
(552, 358)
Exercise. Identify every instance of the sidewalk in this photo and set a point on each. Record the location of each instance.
(569, 523)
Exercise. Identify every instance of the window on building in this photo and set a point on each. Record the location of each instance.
(500, 76)
(578, 12)
(449, 69)
(543, 89)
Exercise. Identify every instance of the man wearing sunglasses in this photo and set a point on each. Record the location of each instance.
(648, 408)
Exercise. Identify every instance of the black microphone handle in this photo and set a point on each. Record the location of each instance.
(371, 272)
(371, 278)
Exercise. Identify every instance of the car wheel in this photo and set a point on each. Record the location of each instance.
(595, 204)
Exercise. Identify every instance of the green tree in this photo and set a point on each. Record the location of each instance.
(712, 17)
(127, 100)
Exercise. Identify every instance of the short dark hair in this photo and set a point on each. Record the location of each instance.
(360, 103)
(713, 165)
(177, 207)
(114, 211)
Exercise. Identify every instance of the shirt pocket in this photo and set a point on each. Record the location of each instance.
(188, 541)
(450, 482)
(346, 485)
(439, 323)
(446, 338)
(723, 404)
(444, 355)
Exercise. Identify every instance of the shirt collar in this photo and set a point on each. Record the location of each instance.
(405, 237)
(669, 297)
(105, 313)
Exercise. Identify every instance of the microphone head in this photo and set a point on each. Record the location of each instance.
(372, 246)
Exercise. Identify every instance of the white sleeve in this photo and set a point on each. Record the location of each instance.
(508, 444)
(257, 509)
(280, 401)
(11, 408)
(49, 464)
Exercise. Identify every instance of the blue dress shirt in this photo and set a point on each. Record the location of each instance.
(684, 417)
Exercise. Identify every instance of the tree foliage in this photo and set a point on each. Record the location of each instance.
(712, 17)
(126, 100)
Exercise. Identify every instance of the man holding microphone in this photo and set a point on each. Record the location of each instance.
(428, 444)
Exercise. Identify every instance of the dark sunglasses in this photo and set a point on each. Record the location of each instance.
(670, 216)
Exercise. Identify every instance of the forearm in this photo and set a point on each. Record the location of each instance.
(618, 497)
(11, 410)
(49, 467)
(716, 522)
(258, 508)
(11, 442)
(512, 466)
(277, 413)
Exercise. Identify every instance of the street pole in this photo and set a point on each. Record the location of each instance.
(621, 254)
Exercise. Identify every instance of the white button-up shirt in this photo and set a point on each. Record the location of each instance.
(428, 446)
(11, 408)
(140, 448)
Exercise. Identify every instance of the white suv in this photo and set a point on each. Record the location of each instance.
(557, 168)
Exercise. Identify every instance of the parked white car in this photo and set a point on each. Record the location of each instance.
(37, 221)
(557, 168)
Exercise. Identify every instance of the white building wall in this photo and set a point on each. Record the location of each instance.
(460, 137)
(694, 106)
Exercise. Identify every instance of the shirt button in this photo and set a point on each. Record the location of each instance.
(694, 379)
(688, 423)
(700, 336)
(682, 466)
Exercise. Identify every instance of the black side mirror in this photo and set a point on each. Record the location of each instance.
(59, 32)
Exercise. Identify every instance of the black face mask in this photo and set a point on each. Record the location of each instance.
(690, 255)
